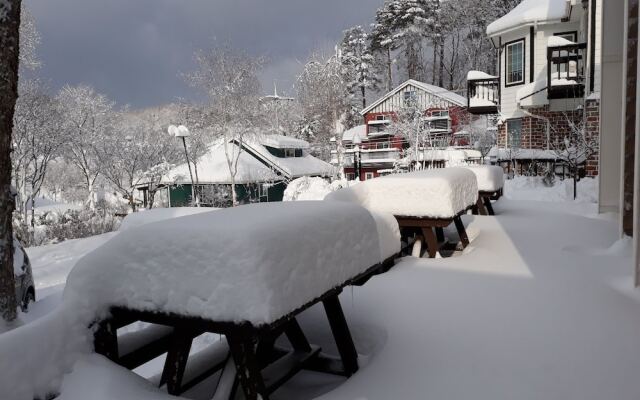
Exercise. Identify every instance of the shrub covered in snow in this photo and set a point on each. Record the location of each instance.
(312, 188)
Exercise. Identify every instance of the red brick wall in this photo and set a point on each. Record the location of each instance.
(534, 130)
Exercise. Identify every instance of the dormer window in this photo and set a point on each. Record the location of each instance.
(514, 60)
(410, 98)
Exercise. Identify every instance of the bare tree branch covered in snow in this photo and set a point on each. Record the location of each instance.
(230, 79)
(137, 151)
(87, 119)
(37, 139)
(322, 94)
(574, 146)
(29, 41)
(409, 124)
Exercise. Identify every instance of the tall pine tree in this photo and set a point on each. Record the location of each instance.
(357, 64)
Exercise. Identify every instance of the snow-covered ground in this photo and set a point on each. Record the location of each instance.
(539, 306)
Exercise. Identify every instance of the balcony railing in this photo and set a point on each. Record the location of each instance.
(566, 70)
(483, 93)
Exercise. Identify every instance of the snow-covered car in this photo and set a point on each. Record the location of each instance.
(25, 289)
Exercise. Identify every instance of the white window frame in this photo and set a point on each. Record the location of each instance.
(350, 176)
(368, 175)
(507, 57)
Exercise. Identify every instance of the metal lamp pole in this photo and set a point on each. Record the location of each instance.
(356, 156)
(183, 132)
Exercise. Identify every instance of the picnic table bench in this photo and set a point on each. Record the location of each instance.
(246, 273)
(490, 187)
(423, 202)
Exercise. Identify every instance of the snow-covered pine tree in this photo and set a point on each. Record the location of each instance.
(382, 44)
(357, 64)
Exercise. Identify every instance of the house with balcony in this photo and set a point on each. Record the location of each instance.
(375, 148)
(547, 79)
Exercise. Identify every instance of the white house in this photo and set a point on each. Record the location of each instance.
(548, 73)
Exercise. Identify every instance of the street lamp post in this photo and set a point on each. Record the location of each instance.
(182, 131)
(356, 156)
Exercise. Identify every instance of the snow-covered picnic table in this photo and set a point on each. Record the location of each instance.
(490, 186)
(425, 200)
(244, 272)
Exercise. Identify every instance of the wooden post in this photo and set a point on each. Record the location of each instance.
(105, 340)
(248, 372)
(341, 334)
(432, 241)
(176, 361)
(461, 231)
(440, 233)
(488, 206)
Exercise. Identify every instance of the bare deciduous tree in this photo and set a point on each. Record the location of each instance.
(87, 120)
(230, 79)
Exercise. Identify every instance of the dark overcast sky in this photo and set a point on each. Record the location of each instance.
(134, 50)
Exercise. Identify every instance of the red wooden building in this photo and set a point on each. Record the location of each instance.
(444, 111)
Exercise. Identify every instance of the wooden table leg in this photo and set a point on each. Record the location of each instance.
(248, 371)
(489, 206)
(440, 234)
(464, 239)
(176, 361)
(432, 242)
(480, 206)
(105, 340)
(341, 334)
(296, 336)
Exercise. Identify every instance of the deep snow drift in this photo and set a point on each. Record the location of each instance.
(539, 306)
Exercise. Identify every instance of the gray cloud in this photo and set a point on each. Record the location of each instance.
(135, 50)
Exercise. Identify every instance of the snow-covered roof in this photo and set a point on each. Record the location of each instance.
(255, 163)
(360, 130)
(289, 167)
(558, 41)
(283, 142)
(530, 12)
(473, 75)
(213, 169)
(437, 91)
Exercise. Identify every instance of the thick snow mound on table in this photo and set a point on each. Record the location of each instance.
(490, 177)
(253, 263)
(144, 217)
(434, 193)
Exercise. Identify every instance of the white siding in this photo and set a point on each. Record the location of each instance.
(396, 102)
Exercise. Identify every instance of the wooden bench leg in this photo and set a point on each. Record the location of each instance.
(489, 206)
(480, 206)
(105, 340)
(341, 334)
(176, 361)
(464, 239)
(247, 368)
(440, 234)
(296, 336)
(432, 242)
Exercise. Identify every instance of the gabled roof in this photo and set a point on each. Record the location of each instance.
(437, 91)
(255, 163)
(530, 12)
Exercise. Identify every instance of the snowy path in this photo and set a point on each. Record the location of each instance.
(527, 313)
(538, 307)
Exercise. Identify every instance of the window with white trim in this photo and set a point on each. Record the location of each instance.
(514, 60)
(368, 175)
(514, 132)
